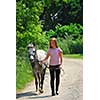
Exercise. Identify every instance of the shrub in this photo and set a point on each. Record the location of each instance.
(23, 70)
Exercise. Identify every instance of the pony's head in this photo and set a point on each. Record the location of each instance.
(31, 52)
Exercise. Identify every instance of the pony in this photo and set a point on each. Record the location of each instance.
(38, 69)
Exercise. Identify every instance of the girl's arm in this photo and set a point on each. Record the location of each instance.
(47, 56)
(61, 55)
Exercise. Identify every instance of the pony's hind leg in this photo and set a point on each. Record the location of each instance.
(42, 78)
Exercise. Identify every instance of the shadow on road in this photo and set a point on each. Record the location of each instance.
(36, 97)
(19, 95)
(30, 94)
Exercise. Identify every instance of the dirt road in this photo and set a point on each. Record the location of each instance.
(70, 84)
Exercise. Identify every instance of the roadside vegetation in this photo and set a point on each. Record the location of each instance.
(76, 56)
(37, 21)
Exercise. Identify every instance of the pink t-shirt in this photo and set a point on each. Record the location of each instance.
(54, 56)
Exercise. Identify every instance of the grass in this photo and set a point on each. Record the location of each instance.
(23, 73)
(76, 56)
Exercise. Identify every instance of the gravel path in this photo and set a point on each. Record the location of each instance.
(71, 84)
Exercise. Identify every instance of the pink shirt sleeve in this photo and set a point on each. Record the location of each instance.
(59, 50)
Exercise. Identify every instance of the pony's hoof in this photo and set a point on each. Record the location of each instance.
(41, 91)
(37, 92)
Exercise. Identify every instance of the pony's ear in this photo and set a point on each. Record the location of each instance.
(33, 44)
(36, 47)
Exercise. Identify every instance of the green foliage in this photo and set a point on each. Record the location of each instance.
(39, 40)
(76, 10)
(63, 44)
(63, 12)
(23, 70)
(73, 30)
(76, 56)
(66, 1)
(27, 13)
(28, 26)
(69, 38)
(70, 46)
(75, 47)
(50, 33)
(37, 21)
(28, 30)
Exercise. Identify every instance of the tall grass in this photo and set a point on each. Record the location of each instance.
(23, 71)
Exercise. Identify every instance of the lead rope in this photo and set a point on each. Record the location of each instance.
(62, 71)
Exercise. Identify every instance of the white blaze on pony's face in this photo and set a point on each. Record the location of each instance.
(31, 57)
(32, 53)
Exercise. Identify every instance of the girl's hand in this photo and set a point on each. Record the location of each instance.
(41, 62)
(60, 67)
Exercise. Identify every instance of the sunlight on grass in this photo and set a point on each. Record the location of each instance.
(78, 56)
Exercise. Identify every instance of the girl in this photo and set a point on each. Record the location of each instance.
(55, 54)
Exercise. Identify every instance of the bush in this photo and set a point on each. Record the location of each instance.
(69, 38)
(70, 46)
(63, 44)
(76, 47)
(23, 70)
(40, 40)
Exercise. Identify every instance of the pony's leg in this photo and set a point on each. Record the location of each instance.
(43, 75)
(42, 78)
(35, 76)
(36, 83)
(39, 78)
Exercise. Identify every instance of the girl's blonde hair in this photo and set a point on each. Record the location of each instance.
(53, 39)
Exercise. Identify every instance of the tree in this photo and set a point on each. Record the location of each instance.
(63, 12)
(27, 21)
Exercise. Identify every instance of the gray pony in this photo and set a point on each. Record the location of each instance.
(38, 69)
